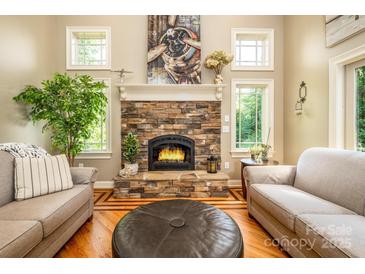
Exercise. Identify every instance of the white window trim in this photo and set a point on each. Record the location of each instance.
(70, 30)
(269, 32)
(107, 154)
(337, 95)
(268, 101)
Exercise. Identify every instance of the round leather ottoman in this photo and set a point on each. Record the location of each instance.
(177, 229)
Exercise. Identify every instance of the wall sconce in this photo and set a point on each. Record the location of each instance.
(301, 99)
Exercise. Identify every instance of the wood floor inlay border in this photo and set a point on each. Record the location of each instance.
(104, 200)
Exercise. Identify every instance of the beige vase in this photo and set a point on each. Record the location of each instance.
(218, 79)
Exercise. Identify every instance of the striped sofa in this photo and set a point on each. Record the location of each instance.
(39, 227)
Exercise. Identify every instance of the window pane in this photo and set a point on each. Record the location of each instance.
(89, 48)
(360, 108)
(248, 116)
(248, 54)
(252, 50)
(98, 138)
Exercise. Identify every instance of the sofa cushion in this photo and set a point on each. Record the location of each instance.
(51, 210)
(334, 175)
(286, 202)
(40, 176)
(17, 238)
(6, 178)
(333, 235)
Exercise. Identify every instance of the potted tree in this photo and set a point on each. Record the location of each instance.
(130, 152)
(69, 106)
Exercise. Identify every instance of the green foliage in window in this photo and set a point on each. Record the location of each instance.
(130, 148)
(249, 118)
(360, 108)
(70, 107)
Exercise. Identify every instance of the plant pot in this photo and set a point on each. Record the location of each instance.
(132, 169)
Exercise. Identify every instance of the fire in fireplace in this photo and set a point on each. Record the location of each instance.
(171, 152)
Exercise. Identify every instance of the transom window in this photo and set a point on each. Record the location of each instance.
(88, 48)
(100, 139)
(253, 49)
(252, 113)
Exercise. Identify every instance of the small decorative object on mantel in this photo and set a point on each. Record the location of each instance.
(122, 74)
(301, 99)
(216, 62)
(212, 164)
(130, 152)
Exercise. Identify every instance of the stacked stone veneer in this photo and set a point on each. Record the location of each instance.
(200, 120)
(168, 184)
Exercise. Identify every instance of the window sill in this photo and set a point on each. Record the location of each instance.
(240, 154)
(85, 67)
(94, 155)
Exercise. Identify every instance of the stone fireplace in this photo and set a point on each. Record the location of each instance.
(194, 127)
(176, 137)
(171, 152)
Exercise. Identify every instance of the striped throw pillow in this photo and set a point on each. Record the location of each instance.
(40, 176)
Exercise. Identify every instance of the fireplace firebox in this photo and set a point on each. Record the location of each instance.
(171, 152)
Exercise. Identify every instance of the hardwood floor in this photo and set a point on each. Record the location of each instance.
(93, 239)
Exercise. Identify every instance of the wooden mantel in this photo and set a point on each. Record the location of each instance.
(170, 92)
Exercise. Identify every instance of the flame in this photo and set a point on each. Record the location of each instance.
(171, 154)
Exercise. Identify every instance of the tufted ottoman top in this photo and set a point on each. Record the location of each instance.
(177, 229)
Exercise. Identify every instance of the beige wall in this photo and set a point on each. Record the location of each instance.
(129, 49)
(26, 57)
(306, 58)
(41, 43)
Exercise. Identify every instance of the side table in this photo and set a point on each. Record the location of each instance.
(249, 162)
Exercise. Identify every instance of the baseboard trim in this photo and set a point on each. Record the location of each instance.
(110, 184)
(104, 184)
(234, 183)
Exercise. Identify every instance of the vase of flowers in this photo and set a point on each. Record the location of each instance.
(216, 62)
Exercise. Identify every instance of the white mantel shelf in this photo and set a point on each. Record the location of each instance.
(170, 92)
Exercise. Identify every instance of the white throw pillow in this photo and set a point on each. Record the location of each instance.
(40, 176)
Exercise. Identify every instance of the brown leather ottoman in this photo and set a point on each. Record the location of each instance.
(177, 229)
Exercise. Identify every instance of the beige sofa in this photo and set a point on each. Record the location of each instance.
(40, 226)
(315, 209)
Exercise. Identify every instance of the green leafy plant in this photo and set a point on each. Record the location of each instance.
(70, 107)
(131, 148)
(360, 108)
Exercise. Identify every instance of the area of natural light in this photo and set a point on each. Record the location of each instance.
(98, 141)
(248, 116)
(360, 108)
(252, 50)
(89, 48)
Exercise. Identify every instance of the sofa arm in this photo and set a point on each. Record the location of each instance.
(282, 174)
(83, 175)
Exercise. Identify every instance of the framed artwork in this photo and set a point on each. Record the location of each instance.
(174, 49)
(342, 27)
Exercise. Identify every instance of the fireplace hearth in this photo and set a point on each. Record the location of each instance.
(171, 152)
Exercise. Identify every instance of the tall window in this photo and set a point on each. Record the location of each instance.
(253, 49)
(252, 113)
(360, 108)
(99, 141)
(248, 116)
(354, 103)
(88, 47)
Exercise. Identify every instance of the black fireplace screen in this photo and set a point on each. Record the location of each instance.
(171, 152)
